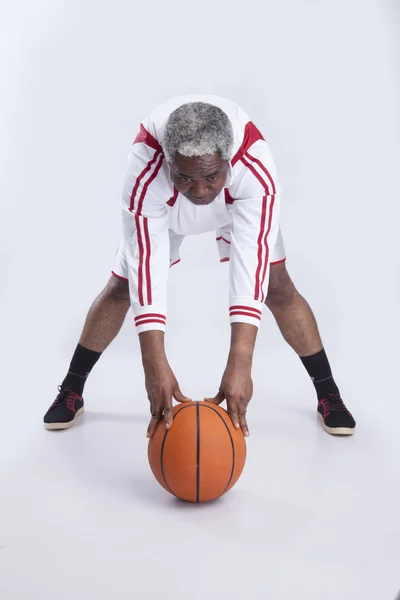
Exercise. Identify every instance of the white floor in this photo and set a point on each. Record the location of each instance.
(312, 516)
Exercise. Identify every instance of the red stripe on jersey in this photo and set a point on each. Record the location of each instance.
(175, 263)
(256, 174)
(240, 307)
(261, 241)
(146, 138)
(245, 314)
(271, 208)
(172, 200)
(228, 197)
(148, 182)
(148, 252)
(224, 259)
(263, 168)
(260, 249)
(139, 179)
(150, 321)
(147, 315)
(140, 266)
(223, 239)
(251, 135)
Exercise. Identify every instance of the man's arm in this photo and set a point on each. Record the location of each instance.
(146, 244)
(255, 226)
(145, 235)
(243, 339)
(236, 385)
(161, 383)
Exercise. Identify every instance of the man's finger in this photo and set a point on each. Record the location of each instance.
(234, 415)
(179, 397)
(168, 411)
(218, 399)
(243, 424)
(154, 421)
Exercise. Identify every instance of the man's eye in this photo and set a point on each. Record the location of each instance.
(185, 179)
(212, 178)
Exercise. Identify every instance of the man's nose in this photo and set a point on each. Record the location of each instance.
(200, 189)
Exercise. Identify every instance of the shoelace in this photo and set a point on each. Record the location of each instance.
(70, 403)
(333, 404)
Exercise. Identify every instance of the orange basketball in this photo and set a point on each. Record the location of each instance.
(202, 456)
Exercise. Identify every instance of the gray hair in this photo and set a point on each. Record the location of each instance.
(197, 129)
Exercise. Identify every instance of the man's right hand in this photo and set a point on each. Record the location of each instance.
(161, 386)
(161, 383)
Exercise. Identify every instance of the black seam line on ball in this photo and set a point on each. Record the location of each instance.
(233, 445)
(162, 450)
(197, 452)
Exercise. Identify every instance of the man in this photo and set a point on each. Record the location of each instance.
(199, 164)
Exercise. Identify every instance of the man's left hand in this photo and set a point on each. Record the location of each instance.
(237, 389)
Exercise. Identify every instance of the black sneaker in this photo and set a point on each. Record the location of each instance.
(335, 417)
(65, 408)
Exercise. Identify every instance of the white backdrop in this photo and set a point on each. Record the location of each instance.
(321, 80)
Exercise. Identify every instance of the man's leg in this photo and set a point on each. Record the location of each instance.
(103, 322)
(299, 328)
(106, 315)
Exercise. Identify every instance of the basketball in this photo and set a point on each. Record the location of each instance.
(202, 456)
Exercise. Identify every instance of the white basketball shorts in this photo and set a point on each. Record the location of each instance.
(223, 240)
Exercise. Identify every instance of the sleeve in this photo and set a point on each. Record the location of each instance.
(146, 235)
(255, 226)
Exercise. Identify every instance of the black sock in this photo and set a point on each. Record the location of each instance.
(318, 368)
(82, 363)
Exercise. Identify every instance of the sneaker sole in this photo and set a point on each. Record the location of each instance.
(54, 426)
(336, 430)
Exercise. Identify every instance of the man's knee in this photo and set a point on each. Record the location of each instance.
(117, 289)
(281, 289)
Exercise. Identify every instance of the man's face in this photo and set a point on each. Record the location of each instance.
(199, 178)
